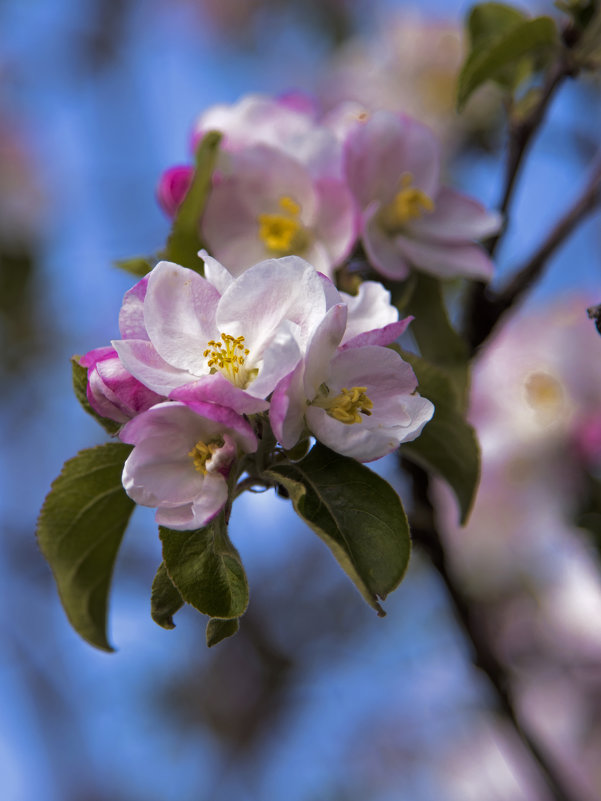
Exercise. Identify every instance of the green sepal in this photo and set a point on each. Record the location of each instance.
(206, 569)
(139, 265)
(356, 513)
(165, 599)
(80, 384)
(79, 531)
(218, 630)
(436, 338)
(184, 240)
(448, 444)
(501, 58)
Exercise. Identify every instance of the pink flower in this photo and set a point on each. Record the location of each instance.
(267, 204)
(359, 400)
(181, 459)
(186, 339)
(409, 219)
(111, 390)
(172, 188)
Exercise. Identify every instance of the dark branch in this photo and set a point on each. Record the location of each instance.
(426, 536)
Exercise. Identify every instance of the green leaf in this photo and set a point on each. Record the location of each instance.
(218, 630)
(184, 240)
(448, 444)
(356, 513)
(165, 599)
(80, 529)
(80, 383)
(438, 341)
(489, 60)
(206, 569)
(487, 21)
(139, 265)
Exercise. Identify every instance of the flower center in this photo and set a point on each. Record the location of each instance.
(229, 356)
(203, 452)
(284, 233)
(348, 405)
(410, 203)
(545, 395)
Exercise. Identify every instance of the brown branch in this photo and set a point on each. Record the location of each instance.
(425, 535)
(491, 306)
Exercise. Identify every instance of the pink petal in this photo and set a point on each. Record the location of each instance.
(446, 259)
(456, 218)
(179, 312)
(217, 389)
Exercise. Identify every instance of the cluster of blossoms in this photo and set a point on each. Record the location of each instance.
(264, 343)
(203, 362)
(291, 182)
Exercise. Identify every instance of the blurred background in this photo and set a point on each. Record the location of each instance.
(315, 699)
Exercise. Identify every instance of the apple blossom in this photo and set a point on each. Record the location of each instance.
(181, 459)
(408, 218)
(268, 204)
(189, 341)
(360, 401)
(111, 390)
(287, 123)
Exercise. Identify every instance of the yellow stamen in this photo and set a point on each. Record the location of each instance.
(229, 356)
(410, 203)
(348, 405)
(283, 234)
(203, 452)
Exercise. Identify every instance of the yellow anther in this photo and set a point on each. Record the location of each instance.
(289, 205)
(203, 452)
(228, 355)
(410, 203)
(283, 233)
(349, 405)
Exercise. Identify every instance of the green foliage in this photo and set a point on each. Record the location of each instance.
(505, 47)
(138, 266)
(356, 513)
(487, 21)
(438, 341)
(448, 444)
(80, 529)
(80, 383)
(206, 569)
(184, 240)
(218, 630)
(165, 599)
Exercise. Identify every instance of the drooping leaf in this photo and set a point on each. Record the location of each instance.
(218, 630)
(139, 265)
(80, 529)
(448, 444)
(356, 513)
(206, 569)
(501, 57)
(165, 599)
(184, 240)
(80, 383)
(438, 341)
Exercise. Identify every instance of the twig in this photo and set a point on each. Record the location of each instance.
(492, 306)
(425, 534)
(521, 133)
